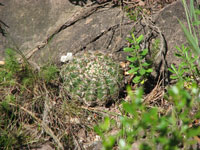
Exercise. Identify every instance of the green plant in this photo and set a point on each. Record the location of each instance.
(11, 62)
(138, 65)
(193, 32)
(187, 69)
(14, 72)
(11, 67)
(133, 14)
(49, 72)
(92, 78)
(143, 125)
(11, 135)
(152, 129)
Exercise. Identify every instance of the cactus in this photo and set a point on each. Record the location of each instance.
(93, 78)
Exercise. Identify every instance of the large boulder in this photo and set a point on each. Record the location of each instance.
(27, 22)
(167, 21)
(45, 30)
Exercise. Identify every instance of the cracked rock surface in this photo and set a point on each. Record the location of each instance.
(46, 30)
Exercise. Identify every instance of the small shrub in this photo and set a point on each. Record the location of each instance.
(145, 125)
(139, 67)
(188, 69)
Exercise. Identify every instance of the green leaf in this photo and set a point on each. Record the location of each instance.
(193, 132)
(196, 23)
(171, 70)
(109, 142)
(128, 108)
(174, 68)
(173, 77)
(197, 11)
(133, 36)
(144, 52)
(190, 39)
(130, 40)
(132, 59)
(133, 70)
(128, 49)
(139, 39)
(183, 65)
(98, 130)
(133, 66)
(137, 47)
(149, 70)
(142, 71)
(106, 124)
(136, 79)
(145, 64)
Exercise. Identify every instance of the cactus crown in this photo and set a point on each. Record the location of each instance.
(94, 78)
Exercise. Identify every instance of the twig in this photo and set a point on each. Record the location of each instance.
(77, 142)
(46, 106)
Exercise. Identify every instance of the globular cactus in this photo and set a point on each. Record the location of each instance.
(93, 78)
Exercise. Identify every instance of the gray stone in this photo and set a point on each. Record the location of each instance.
(99, 31)
(167, 21)
(30, 22)
(34, 22)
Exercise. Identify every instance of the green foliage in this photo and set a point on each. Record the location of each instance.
(145, 125)
(11, 63)
(193, 32)
(187, 69)
(138, 65)
(93, 78)
(17, 84)
(10, 136)
(108, 141)
(133, 14)
(11, 67)
(49, 73)
(172, 130)
(13, 72)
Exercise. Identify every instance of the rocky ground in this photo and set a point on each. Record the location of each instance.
(45, 30)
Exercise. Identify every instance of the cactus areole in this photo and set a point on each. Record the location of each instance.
(93, 78)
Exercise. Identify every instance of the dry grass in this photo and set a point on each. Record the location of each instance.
(34, 114)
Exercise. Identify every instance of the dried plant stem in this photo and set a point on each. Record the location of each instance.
(45, 127)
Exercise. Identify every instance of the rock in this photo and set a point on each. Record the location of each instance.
(46, 30)
(167, 21)
(28, 22)
(31, 26)
(100, 29)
